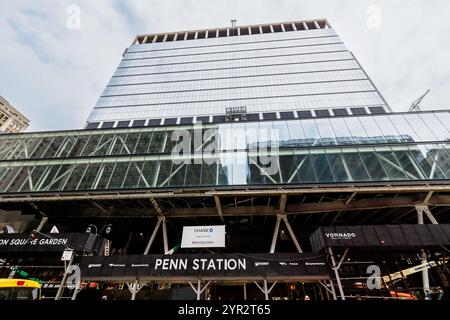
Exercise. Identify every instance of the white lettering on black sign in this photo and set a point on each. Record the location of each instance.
(340, 235)
(200, 264)
(33, 242)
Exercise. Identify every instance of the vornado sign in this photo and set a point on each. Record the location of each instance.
(203, 237)
(387, 237)
(340, 235)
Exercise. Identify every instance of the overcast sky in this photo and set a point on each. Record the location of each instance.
(54, 74)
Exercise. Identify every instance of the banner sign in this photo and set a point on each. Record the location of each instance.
(23, 243)
(203, 237)
(206, 266)
(392, 237)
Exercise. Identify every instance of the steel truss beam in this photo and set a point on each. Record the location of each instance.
(337, 205)
(291, 233)
(131, 194)
(161, 220)
(362, 204)
(219, 208)
(282, 216)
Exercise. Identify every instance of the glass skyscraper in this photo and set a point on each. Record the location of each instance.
(272, 71)
(273, 131)
(291, 91)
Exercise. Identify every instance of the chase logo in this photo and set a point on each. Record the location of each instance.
(203, 230)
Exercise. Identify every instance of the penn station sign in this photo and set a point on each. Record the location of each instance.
(201, 264)
(206, 266)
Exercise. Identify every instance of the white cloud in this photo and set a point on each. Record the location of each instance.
(55, 75)
(52, 74)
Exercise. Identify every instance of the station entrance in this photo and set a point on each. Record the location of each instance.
(279, 276)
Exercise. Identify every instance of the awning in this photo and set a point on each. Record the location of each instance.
(189, 267)
(387, 237)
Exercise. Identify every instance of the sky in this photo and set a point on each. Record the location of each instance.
(53, 69)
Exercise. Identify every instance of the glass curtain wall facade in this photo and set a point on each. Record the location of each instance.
(190, 76)
(376, 148)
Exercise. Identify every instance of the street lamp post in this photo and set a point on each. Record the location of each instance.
(106, 227)
(67, 267)
(66, 274)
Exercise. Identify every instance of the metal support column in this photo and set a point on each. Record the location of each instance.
(152, 237)
(333, 291)
(336, 272)
(164, 229)
(75, 293)
(199, 288)
(419, 214)
(327, 290)
(320, 292)
(219, 208)
(266, 293)
(292, 234)
(245, 291)
(264, 289)
(64, 279)
(134, 288)
(275, 234)
(198, 291)
(425, 278)
(430, 216)
(421, 209)
(42, 224)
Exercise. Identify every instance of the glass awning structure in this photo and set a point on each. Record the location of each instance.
(365, 149)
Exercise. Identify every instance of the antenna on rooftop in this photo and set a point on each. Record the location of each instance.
(415, 106)
(233, 23)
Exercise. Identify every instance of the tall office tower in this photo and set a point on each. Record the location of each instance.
(346, 177)
(257, 72)
(11, 120)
